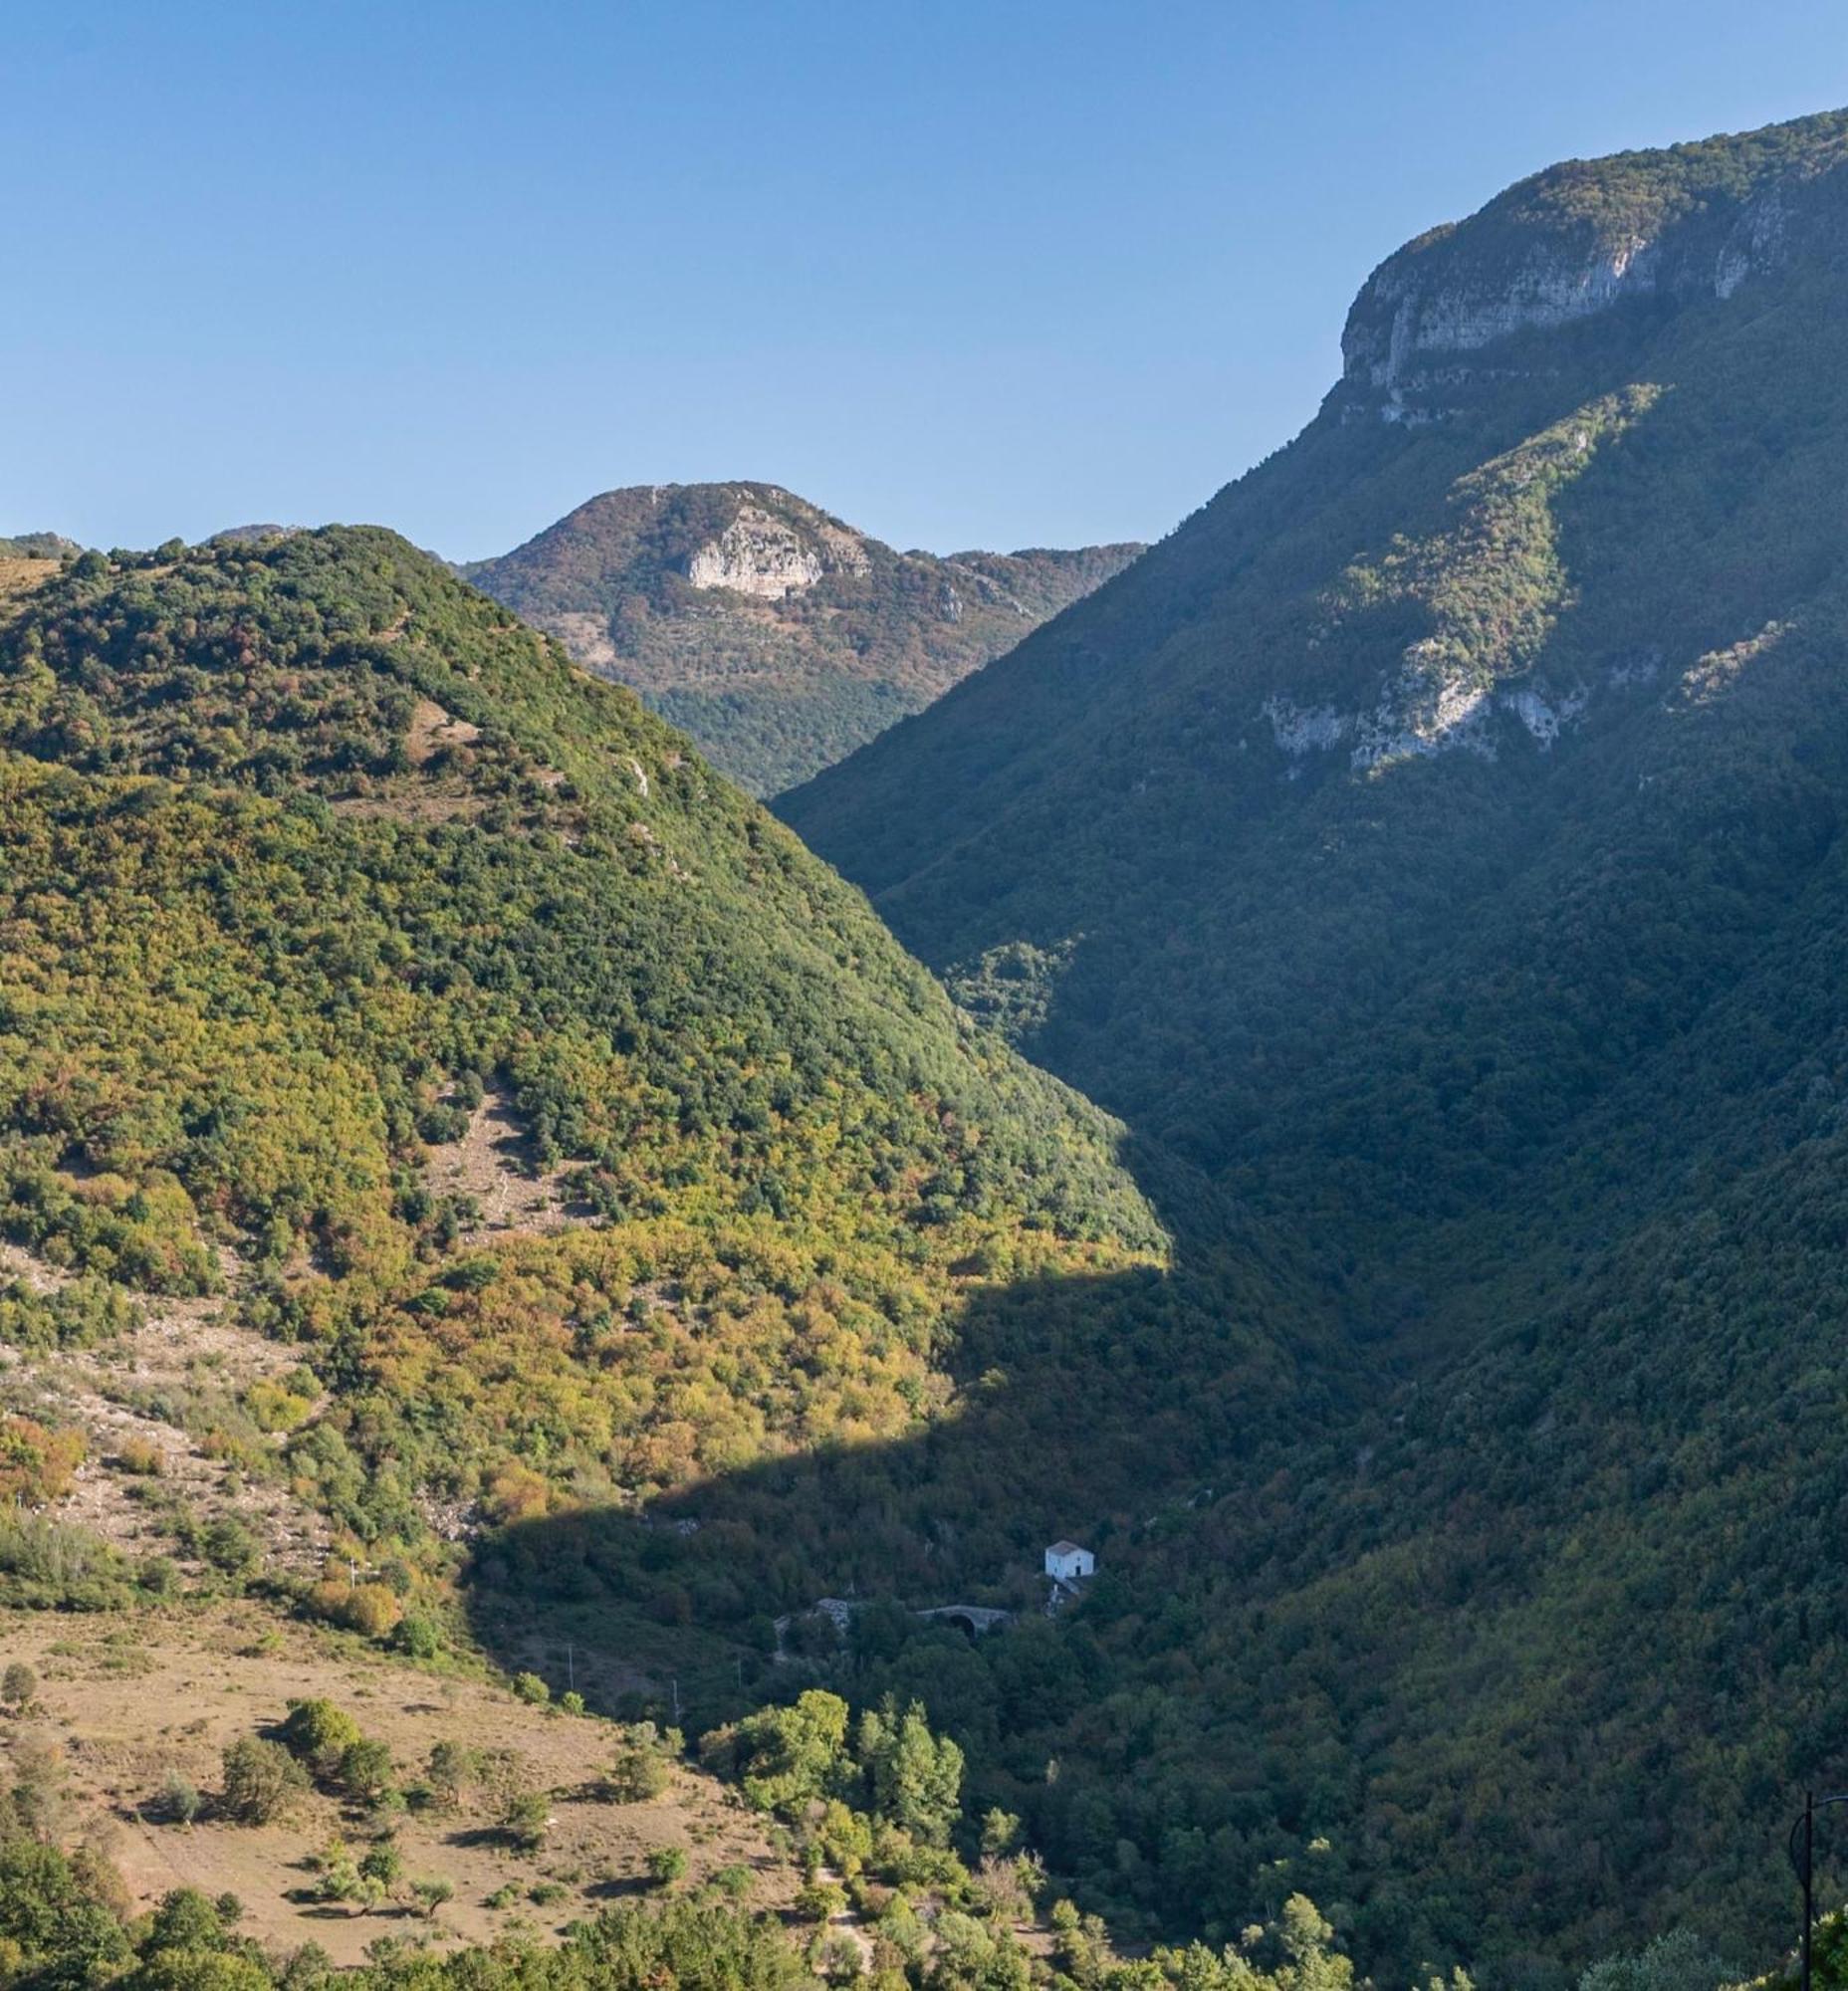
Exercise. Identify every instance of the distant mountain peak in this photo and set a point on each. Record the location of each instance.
(37, 546)
(777, 634)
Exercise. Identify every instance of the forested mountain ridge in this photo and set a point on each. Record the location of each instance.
(778, 637)
(1437, 842)
(310, 847)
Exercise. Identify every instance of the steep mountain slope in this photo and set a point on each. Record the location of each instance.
(776, 636)
(1437, 841)
(580, 1126)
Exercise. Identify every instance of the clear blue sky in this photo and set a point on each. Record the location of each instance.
(967, 272)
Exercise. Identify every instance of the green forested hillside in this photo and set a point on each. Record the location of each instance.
(308, 848)
(652, 1244)
(780, 638)
(1432, 852)
(1436, 843)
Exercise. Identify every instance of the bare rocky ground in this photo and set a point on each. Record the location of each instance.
(492, 1165)
(155, 1392)
(127, 1703)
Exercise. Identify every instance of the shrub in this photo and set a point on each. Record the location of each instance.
(525, 1817)
(179, 1799)
(384, 1865)
(447, 1772)
(318, 1734)
(19, 1687)
(530, 1687)
(276, 1409)
(820, 1901)
(420, 1637)
(636, 1773)
(36, 1464)
(666, 1864)
(366, 1768)
(371, 1609)
(260, 1780)
(231, 1547)
(142, 1457)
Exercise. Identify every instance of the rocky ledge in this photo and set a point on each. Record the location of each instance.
(1695, 222)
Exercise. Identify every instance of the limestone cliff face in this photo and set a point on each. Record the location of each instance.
(1691, 224)
(769, 556)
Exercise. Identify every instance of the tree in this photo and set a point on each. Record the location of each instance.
(431, 1893)
(260, 1780)
(667, 1863)
(19, 1687)
(789, 1756)
(916, 1777)
(185, 1919)
(1676, 1961)
(382, 1868)
(319, 1733)
(447, 1773)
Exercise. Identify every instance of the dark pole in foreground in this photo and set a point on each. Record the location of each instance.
(1802, 1849)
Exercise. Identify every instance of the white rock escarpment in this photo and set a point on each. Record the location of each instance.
(1576, 241)
(756, 555)
(1410, 309)
(761, 554)
(1415, 717)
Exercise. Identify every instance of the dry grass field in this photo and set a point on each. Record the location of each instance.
(128, 1703)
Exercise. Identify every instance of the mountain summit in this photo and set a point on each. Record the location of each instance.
(1438, 841)
(777, 636)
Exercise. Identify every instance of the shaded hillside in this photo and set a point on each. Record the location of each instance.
(1437, 842)
(515, 1141)
(780, 638)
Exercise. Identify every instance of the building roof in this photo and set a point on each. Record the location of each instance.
(1067, 1549)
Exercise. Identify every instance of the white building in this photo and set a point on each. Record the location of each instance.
(1066, 1561)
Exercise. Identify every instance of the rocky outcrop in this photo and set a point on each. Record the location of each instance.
(1693, 224)
(773, 632)
(771, 557)
(1416, 716)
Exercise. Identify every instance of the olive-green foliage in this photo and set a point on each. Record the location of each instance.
(305, 840)
(1676, 1961)
(791, 1758)
(50, 1564)
(260, 1781)
(82, 1314)
(638, 1768)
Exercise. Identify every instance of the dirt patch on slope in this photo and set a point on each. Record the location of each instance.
(494, 1166)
